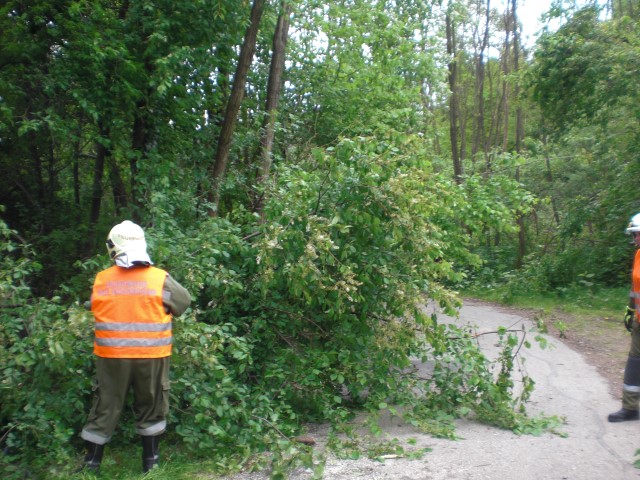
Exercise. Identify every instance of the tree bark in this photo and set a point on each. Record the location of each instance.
(431, 121)
(479, 141)
(233, 106)
(549, 175)
(118, 188)
(522, 239)
(505, 84)
(454, 100)
(274, 87)
(77, 151)
(141, 139)
(97, 188)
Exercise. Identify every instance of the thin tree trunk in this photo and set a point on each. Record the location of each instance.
(214, 108)
(462, 122)
(142, 140)
(522, 239)
(118, 188)
(76, 184)
(274, 87)
(454, 102)
(37, 168)
(495, 121)
(517, 89)
(505, 84)
(233, 106)
(430, 119)
(549, 175)
(215, 97)
(76, 176)
(97, 188)
(479, 142)
(496, 137)
(138, 140)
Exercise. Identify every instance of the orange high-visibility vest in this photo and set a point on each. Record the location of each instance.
(130, 319)
(635, 283)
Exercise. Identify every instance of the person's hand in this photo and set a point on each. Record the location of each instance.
(629, 317)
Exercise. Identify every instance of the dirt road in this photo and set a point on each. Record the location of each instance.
(566, 386)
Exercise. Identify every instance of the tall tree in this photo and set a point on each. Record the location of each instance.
(479, 134)
(274, 87)
(519, 133)
(621, 8)
(506, 70)
(454, 99)
(221, 158)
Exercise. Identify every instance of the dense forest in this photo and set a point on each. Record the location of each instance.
(313, 173)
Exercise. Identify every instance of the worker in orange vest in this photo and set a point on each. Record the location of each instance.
(133, 303)
(631, 385)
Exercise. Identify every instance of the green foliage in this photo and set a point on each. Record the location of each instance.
(465, 382)
(361, 65)
(45, 368)
(98, 100)
(311, 315)
(600, 302)
(587, 175)
(569, 68)
(349, 445)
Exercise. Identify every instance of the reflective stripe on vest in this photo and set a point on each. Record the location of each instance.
(131, 321)
(635, 283)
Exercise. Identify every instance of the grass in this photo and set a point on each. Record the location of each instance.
(587, 317)
(580, 301)
(123, 462)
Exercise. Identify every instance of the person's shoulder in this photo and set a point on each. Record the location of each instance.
(158, 269)
(107, 270)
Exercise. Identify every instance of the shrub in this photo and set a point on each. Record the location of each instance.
(310, 315)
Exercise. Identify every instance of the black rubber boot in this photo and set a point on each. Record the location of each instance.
(624, 415)
(93, 458)
(150, 456)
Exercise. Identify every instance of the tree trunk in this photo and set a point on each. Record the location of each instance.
(454, 101)
(479, 140)
(549, 175)
(36, 165)
(505, 84)
(430, 119)
(233, 106)
(494, 126)
(77, 150)
(138, 140)
(274, 87)
(140, 144)
(516, 70)
(522, 239)
(96, 195)
(462, 124)
(118, 188)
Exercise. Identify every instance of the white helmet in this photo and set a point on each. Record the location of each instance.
(634, 224)
(126, 245)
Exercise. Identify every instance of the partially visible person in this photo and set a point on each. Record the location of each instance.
(631, 383)
(133, 303)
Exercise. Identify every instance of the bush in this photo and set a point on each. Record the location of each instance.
(46, 366)
(311, 315)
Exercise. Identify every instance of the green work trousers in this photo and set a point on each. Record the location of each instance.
(149, 379)
(631, 388)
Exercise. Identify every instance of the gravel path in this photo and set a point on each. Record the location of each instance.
(566, 386)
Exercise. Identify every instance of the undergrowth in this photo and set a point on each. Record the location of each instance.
(313, 315)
